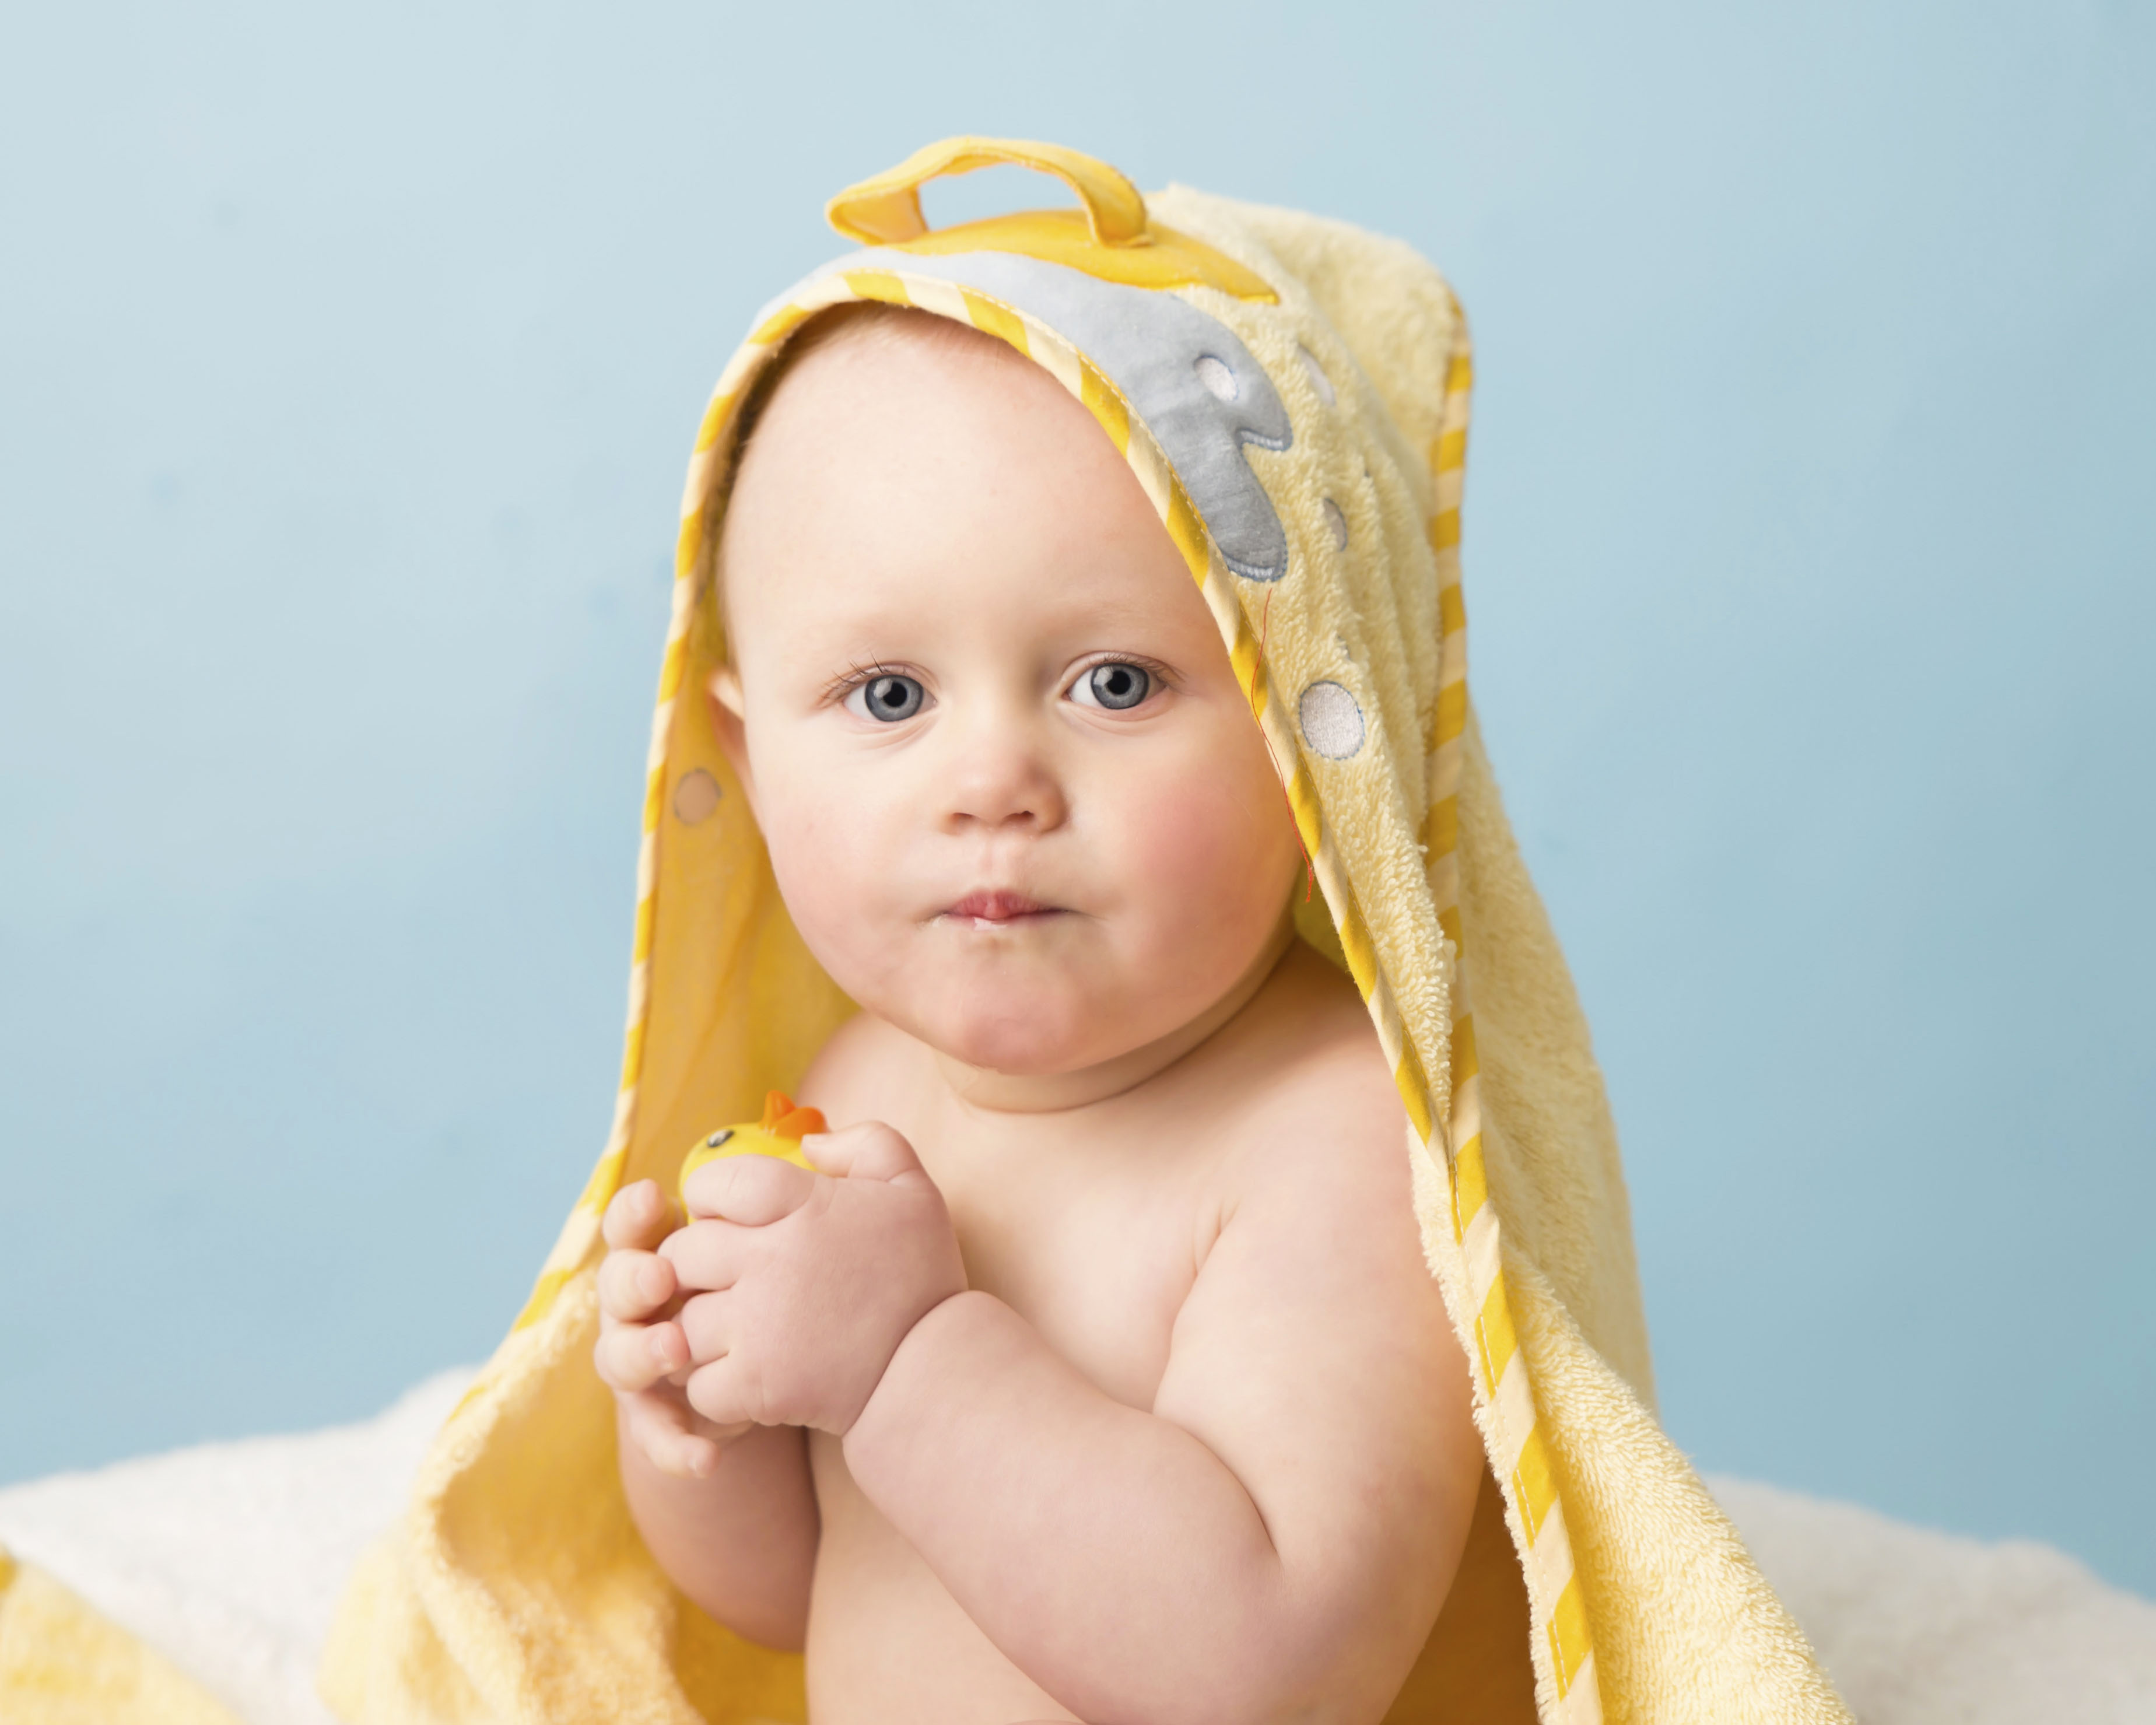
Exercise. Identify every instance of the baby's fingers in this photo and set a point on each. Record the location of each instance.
(633, 1285)
(632, 1358)
(638, 1217)
(663, 1431)
(724, 1393)
(868, 1151)
(751, 1190)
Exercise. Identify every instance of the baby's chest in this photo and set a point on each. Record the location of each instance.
(1099, 1267)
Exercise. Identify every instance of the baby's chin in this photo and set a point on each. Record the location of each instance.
(1001, 1025)
(1020, 1044)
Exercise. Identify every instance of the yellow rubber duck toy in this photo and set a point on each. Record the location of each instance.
(778, 1133)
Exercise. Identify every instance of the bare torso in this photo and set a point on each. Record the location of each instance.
(1092, 1225)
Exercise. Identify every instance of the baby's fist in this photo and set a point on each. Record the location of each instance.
(802, 1286)
(641, 1347)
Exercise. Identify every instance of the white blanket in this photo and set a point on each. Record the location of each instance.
(228, 1558)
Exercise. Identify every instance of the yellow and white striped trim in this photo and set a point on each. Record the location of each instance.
(1520, 1458)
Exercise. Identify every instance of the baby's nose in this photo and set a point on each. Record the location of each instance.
(1000, 781)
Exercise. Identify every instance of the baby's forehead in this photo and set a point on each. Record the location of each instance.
(853, 352)
(896, 396)
(890, 435)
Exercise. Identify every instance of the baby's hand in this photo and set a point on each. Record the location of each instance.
(802, 1284)
(642, 1355)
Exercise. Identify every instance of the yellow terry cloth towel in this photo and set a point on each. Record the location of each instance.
(1292, 394)
(63, 1664)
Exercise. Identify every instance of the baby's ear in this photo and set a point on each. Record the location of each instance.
(727, 690)
(727, 711)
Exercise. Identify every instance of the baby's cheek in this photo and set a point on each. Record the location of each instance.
(818, 858)
(839, 855)
(1209, 856)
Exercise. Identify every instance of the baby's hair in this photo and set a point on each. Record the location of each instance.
(863, 320)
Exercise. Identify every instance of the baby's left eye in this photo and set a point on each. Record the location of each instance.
(1117, 685)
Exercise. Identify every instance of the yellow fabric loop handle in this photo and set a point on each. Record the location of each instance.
(885, 210)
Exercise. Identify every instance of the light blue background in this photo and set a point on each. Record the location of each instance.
(348, 364)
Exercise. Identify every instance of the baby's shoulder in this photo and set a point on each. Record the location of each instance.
(1311, 1088)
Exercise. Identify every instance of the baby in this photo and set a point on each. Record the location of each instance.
(1098, 1372)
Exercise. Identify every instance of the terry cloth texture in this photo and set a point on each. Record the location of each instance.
(1292, 394)
(227, 1559)
(63, 1663)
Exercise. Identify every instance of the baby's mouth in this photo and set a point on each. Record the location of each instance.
(999, 910)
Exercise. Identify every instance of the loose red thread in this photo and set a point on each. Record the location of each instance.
(1309, 868)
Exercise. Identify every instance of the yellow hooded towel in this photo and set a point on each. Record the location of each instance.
(1292, 394)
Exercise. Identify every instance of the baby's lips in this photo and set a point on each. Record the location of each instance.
(999, 905)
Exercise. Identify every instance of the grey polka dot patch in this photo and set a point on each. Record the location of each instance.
(1332, 722)
(696, 794)
(1336, 524)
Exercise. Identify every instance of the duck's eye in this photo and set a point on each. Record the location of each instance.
(889, 697)
(1117, 685)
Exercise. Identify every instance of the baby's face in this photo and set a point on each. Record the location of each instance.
(1014, 797)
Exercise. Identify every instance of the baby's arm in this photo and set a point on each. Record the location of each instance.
(729, 1513)
(1272, 1540)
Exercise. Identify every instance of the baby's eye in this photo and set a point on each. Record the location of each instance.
(1117, 685)
(889, 698)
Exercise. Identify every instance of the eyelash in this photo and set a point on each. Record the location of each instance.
(1152, 667)
(855, 676)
